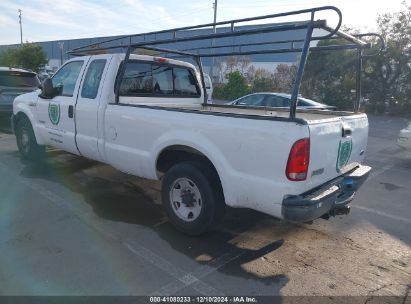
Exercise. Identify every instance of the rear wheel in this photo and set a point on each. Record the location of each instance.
(192, 197)
(26, 140)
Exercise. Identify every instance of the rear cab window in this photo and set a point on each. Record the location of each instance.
(151, 79)
(185, 83)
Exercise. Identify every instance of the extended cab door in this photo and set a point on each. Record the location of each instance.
(89, 105)
(56, 115)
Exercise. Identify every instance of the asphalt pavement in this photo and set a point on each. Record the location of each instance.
(72, 226)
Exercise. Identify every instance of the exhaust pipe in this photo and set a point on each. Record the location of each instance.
(342, 210)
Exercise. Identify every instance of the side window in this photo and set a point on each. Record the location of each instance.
(162, 80)
(252, 100)
(93, 77)
(303, 103)
(185, 83)
(277, 101)
(66, 78)
(137, 79)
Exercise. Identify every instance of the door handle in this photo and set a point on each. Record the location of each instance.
(346, 131)
(70, 111)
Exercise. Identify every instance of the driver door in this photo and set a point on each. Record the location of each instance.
(56, 115)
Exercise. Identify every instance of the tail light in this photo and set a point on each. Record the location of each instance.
(298, 160)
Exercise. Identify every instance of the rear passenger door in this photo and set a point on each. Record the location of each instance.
(88, 106)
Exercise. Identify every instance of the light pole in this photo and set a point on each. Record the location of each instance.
(61, 45)
(21, 28)
(212, 41)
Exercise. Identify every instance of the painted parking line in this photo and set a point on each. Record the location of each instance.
(199, 273)
(183, 279)
(384, 214)
(377, 172)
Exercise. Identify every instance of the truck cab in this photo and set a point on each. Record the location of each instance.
(68, 118)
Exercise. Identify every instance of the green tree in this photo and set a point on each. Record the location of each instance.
(263, 81)
(329, 76)
(28, 56)
(235, 87)
(387, 81)
(283, 78)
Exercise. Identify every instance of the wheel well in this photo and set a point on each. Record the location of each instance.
(17, 117)
(173, 155)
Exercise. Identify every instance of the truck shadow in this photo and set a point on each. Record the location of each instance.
(126, 202)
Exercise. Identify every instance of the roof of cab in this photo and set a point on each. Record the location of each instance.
(158, 59)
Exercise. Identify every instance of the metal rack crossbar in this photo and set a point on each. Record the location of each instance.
(173, 38)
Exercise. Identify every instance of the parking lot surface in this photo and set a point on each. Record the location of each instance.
(71, 226)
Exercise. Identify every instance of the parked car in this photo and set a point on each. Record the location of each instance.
(151, 123)
(14, 82)
(404, 138)
(209, 88)
(278, 100)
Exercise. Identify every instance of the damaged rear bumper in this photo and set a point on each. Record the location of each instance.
(328, 199)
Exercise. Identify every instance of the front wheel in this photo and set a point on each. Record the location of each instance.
(192, 197)
(26, 140)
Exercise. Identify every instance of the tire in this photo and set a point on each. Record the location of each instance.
(192, 197)
(26, 141)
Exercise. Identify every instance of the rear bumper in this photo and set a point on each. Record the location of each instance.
(325, 199)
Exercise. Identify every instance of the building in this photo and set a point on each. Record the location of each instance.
(57, 50)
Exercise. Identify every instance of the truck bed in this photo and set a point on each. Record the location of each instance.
(307, 115)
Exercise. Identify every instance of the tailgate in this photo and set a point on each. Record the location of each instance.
(337, 145)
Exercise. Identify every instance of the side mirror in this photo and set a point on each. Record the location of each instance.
(47, 89)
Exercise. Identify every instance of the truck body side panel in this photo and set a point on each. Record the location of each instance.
(249, 155)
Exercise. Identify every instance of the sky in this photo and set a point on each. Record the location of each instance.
(45, 20)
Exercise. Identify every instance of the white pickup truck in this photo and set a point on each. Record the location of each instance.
(208, 156)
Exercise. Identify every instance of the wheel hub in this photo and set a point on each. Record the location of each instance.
(188, 198)
(185, 199)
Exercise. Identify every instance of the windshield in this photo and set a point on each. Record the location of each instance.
(18, 79)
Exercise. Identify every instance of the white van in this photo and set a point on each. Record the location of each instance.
(209, 88)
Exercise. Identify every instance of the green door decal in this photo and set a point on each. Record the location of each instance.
(54, 113)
